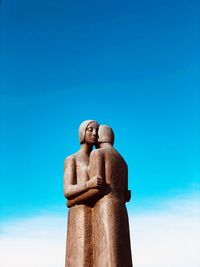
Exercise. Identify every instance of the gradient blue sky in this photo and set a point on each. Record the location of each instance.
(131, 65)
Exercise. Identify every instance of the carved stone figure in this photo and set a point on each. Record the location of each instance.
(79, 249)
(110, 220)
(96, 186)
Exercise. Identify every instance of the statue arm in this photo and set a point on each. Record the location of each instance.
(83, 197)
(71, 188)
(95, 183)
(97, 165)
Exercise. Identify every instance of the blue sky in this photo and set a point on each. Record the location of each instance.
(133, 66)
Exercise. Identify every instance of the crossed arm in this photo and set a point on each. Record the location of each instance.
(78, 193)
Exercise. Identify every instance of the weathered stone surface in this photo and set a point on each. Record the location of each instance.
(96, 186)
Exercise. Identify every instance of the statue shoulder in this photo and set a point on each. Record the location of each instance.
(70, 159)
(120, 156)
(97, 152)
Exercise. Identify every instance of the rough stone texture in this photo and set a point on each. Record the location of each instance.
(95, 184)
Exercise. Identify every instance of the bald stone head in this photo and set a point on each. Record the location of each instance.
(106, 135)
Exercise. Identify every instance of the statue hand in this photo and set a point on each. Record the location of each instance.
(95, 182)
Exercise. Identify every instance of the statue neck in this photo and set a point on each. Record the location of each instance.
(101, 145)
(86, 148)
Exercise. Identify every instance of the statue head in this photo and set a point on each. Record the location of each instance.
(88, 131)
(106, 134)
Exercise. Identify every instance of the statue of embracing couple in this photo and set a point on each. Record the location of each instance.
(96, 188)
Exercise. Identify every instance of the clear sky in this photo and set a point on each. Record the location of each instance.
(133, 65)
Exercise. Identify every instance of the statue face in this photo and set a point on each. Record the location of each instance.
(91, 134)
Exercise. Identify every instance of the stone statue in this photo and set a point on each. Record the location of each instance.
(96, 186)
(79, 250)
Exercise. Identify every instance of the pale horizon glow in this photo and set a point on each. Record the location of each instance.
(168, 238)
